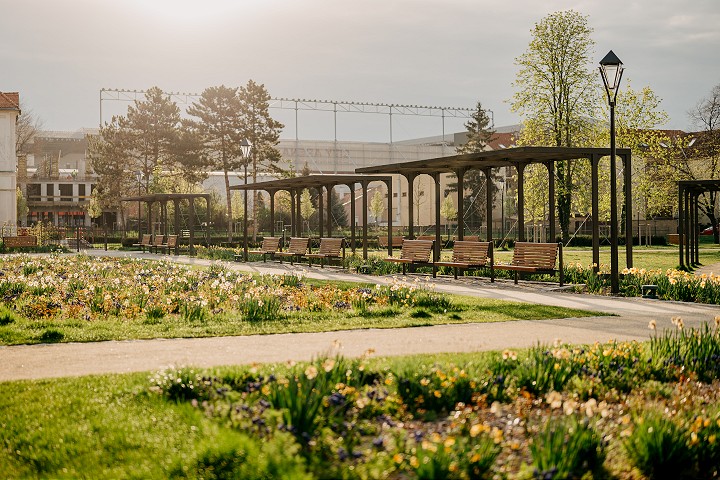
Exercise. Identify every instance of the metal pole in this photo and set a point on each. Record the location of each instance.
(614, 268)
(245, 216)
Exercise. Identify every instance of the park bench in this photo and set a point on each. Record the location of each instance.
(20, 241)
(329, 248)
(414, 252)
(297, 249)
(397, 242)
(157, 243)
(469, 238)
(467, 255)
(145, 241)
(531, 257)
(170, 244)
(270, 246)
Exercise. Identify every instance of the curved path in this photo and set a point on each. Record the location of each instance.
(628, 321)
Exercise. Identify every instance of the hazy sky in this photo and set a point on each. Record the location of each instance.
(59, 54)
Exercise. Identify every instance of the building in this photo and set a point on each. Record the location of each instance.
(9, 111)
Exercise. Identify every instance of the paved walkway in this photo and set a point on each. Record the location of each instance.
(628, 320)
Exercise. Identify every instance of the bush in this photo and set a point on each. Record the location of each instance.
(231, 455)
(566, 448)
(658, 448)
(689, 350)
(545, 370)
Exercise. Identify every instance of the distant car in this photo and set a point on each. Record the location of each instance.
(707, 231)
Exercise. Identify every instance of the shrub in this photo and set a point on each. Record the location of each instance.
(233, 455)
(566, 448)
(689, 350)
(259, 309)
(544, 370)
(435, 391)
(658, 448)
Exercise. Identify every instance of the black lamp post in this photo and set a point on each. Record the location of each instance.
(245, 148)
(138, 177)
(611, 70)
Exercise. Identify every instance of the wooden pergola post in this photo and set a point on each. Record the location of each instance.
(488, 202)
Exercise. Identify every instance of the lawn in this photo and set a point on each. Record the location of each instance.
(81, 299)
(615, 410)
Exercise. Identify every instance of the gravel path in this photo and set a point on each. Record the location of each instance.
(629, 321)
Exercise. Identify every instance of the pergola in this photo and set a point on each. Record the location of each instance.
(296, 185)
(518, 158)
(689, 192)
(163, 199)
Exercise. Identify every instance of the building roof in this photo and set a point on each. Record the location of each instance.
(491, 159)
(310, 181)
(9, 101)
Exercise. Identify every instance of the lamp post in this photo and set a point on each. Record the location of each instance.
(245, 148)
(138, 177)
(611, 70)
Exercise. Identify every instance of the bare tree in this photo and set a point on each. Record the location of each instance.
(26, 128)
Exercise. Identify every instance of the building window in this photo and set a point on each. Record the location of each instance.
(404, 194)
(66, 192)
(81, 191)
(33, 192)
(50, 190)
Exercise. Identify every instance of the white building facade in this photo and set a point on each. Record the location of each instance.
(9, 111)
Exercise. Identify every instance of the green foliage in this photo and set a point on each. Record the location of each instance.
(232, 455)
(658, 448)
(434, 391)
(259, 309)
(545, 370)
(688, 351)
(566, 448)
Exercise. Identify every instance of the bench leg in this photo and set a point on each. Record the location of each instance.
(434, 271)
(516, 277)
(403, 265)
(455, 271)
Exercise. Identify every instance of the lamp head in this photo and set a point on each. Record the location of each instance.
(611, 69)
(245, 147)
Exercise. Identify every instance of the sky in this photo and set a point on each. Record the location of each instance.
(452, 53)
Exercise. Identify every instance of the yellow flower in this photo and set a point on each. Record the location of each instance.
(652, 325)
(398, 458)
(413, 462)
(328, 364)
(265, 390)
(424, 382)
(311, 372)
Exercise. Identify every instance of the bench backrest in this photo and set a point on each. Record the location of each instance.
(20, 241)
(171, 241)
(426, 237)
(158, 240)
(416, 250)
(298, 245)
(396, 241)
(541, 255)
(270, 244)
(146, 239)
(475, 253)
(331, 246)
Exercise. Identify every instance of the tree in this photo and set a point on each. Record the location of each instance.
(261, 130)
(479, 134)
(418, 198)
(219, 130)
(26, 127)
(338, 210)
(557, 93)
(377, 206)
(21, 205)
(307, 209)
(447, 209)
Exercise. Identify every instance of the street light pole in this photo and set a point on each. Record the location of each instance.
(245, 147)
(611, 70)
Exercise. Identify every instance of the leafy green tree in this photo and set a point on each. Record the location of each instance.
(557, 94)
(218, 131)
(377, 206)
(261, 130)
(447, 209)
(307, 209)
(338, 210)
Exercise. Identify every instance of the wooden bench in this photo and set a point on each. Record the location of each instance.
(270, 246)
(467, 255)
(531, 257)
(329, 248)
(469, 238)
(20, 241)
(414, 252)
(170, 244)
(297, 249)
(397, 242)
(157, 243)
(145, 241)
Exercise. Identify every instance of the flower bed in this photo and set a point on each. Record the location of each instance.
(620, 410)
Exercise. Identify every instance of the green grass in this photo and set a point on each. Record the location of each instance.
(464, 310)
(93, 427)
